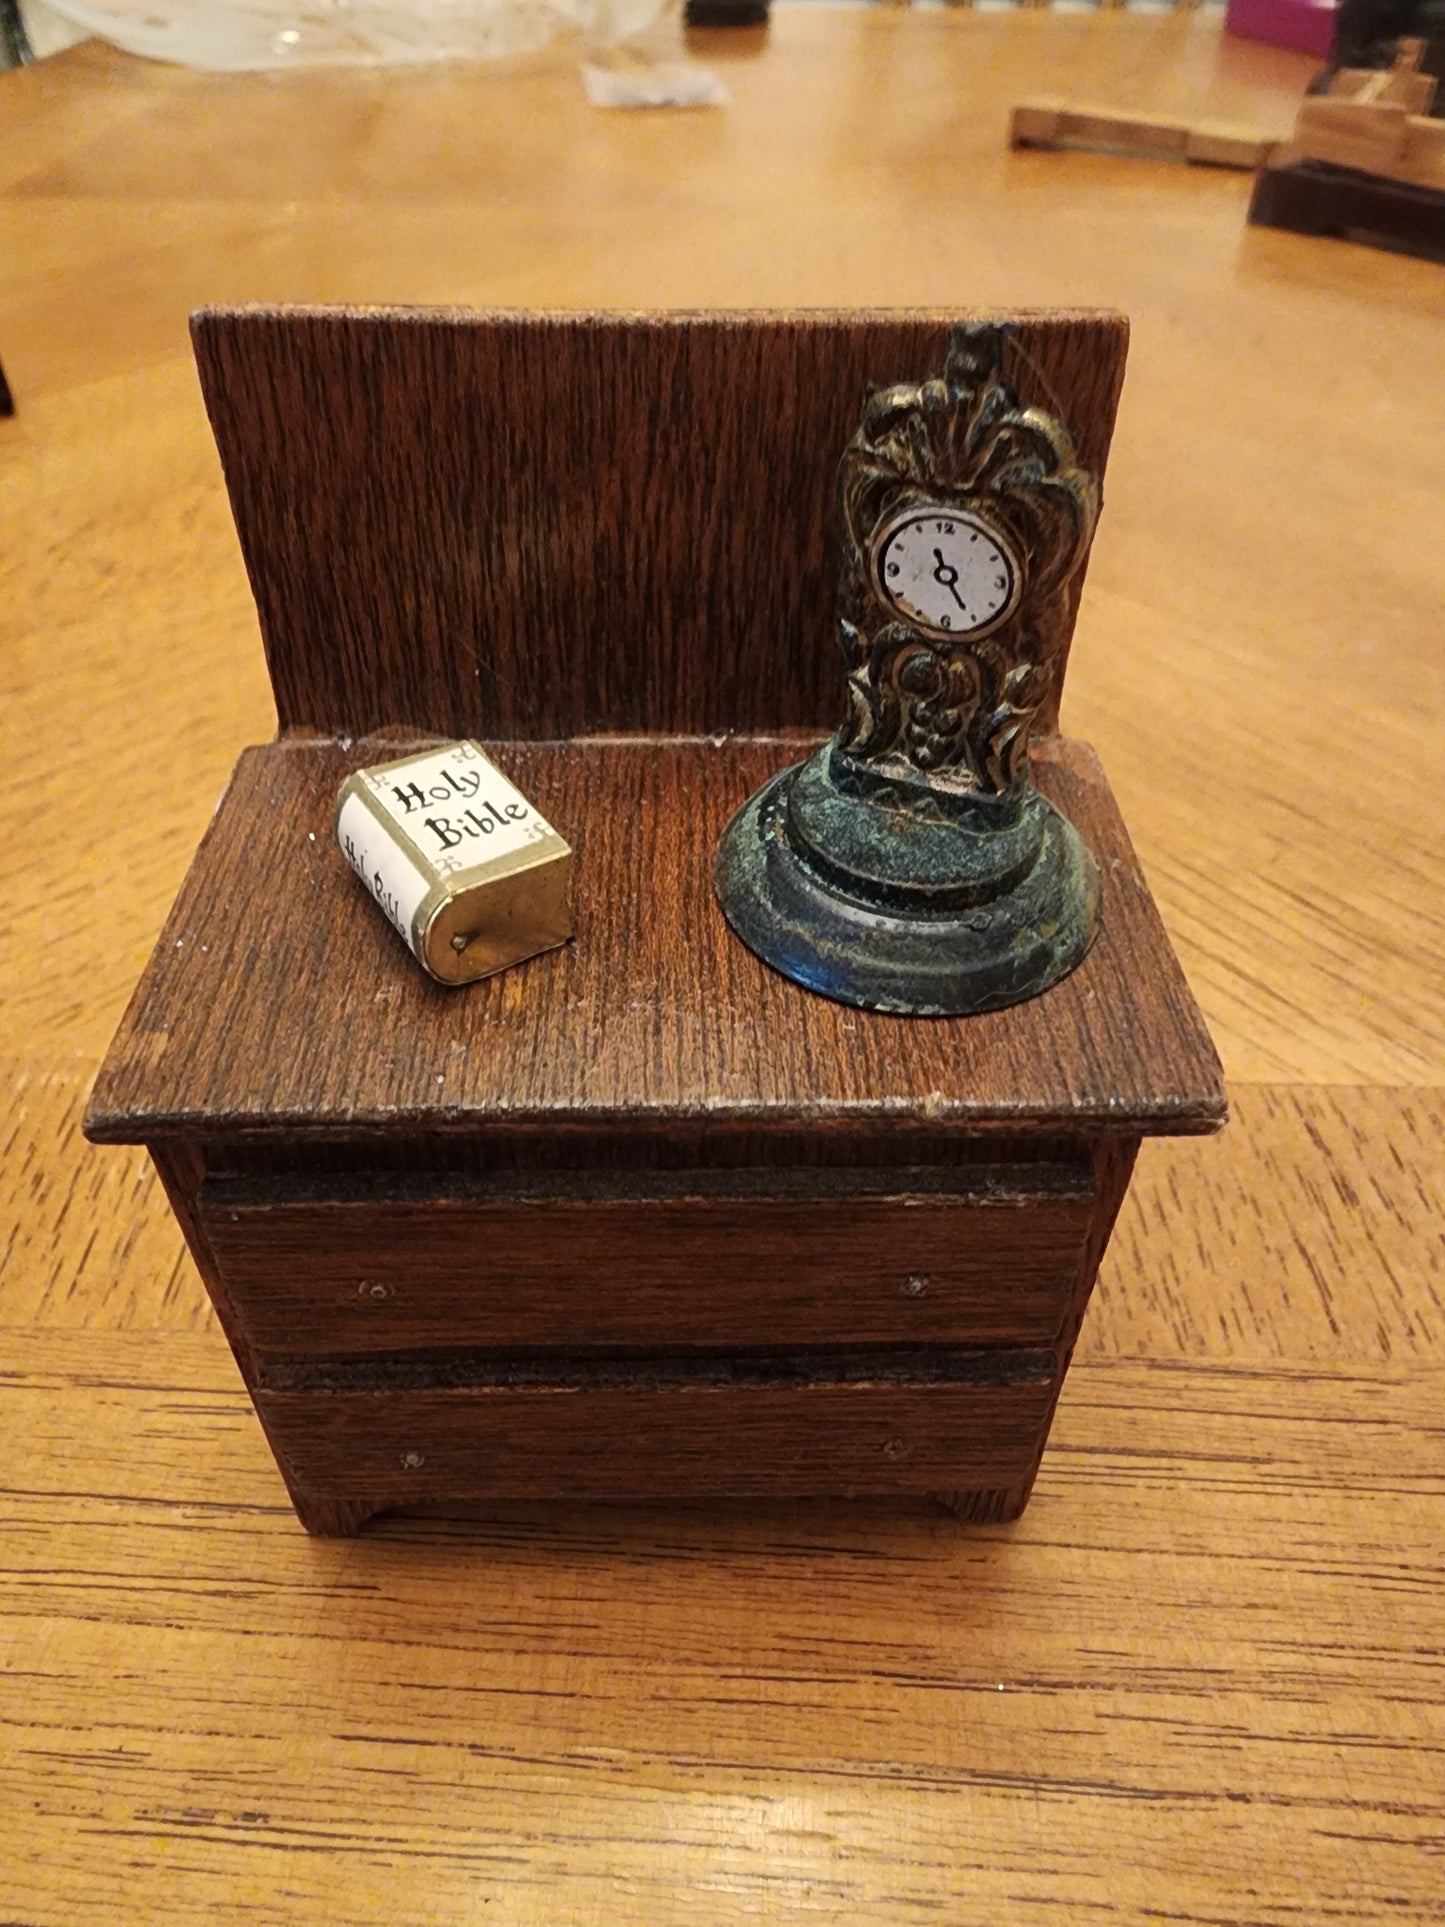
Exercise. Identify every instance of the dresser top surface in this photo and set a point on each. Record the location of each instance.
(279, 1000)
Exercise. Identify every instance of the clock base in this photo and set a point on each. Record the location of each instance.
(892, 899)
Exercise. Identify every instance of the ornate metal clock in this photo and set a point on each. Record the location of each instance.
(911, 865)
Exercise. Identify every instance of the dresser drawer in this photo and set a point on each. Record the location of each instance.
(937, 1263)
(670, 1434)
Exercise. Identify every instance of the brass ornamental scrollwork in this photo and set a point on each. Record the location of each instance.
(958, 711)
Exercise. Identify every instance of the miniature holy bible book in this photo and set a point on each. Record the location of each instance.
(467, 871)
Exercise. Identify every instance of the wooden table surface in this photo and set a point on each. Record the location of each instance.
(1202, 1679)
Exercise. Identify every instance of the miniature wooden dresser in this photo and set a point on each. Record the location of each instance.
(640, 1217)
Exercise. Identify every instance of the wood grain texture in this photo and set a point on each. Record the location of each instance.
(279, 998)
(82, 1237)
(1113, 1166)
(693, 1434)
(568, 525)
(989, 1263)
(1217, 1625)
(670, 1380)
(1210, 1648)
(1310, 1230)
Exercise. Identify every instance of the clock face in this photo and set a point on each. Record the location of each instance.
(946, 570)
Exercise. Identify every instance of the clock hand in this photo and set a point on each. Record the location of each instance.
(947, 575)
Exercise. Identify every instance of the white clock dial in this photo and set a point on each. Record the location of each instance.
(946, 570)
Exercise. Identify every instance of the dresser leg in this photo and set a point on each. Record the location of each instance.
(327, 1518)
(994, 1506)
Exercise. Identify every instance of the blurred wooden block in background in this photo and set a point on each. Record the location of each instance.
(1054, 123)
(1376, 122)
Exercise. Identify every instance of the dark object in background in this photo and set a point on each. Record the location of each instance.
(1368, 33)
(727, 13)
(7, 400)
(15, 47)
(1312, 197)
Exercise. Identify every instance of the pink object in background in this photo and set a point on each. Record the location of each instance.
(1305, 24)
